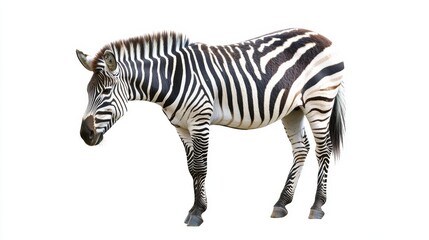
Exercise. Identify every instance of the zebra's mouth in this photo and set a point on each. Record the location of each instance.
(90, 136)
(93, 139)
(97, 138)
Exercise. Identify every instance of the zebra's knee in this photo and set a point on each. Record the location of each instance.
(305, 141)
(300, 144)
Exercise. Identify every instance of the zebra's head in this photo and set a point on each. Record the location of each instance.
(107, 95)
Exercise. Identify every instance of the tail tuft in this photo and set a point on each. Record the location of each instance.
(337, 125)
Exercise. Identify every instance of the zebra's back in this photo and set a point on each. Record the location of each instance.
(259, 81)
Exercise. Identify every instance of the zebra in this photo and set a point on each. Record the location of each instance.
(288, 75)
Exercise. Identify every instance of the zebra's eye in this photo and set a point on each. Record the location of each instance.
(106, 90)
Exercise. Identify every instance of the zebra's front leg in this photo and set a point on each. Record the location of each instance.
(196, 146)
(293, 124)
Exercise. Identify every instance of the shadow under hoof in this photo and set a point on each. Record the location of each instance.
(193, 221)
(279, 212)
(316, 214)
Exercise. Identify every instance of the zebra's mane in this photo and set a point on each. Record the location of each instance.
(169, 42)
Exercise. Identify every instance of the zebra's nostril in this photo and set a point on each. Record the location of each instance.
(91, 135)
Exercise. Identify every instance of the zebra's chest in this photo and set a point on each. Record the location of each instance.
(194, 109)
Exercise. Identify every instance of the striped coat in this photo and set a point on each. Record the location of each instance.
(286, 75)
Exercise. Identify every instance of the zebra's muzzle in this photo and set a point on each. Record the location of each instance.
(88, 133)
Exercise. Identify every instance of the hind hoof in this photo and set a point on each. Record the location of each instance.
(193, 221)
(279, 212)
(316, 214)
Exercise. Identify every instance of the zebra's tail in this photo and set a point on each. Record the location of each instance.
(337, 125)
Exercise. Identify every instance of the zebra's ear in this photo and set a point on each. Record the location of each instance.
(85, 60)
(110, 60)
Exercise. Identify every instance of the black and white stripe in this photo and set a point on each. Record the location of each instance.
(285, 75)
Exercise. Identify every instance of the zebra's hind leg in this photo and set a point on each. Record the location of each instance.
(293, 124)
(320, 127)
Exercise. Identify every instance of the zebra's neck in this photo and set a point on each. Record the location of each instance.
(148, 64)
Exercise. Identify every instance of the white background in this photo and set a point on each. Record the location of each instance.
(135, 184)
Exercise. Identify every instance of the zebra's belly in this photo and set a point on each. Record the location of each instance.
(243, 121)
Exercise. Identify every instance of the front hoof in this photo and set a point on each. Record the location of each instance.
(187, 219)
(316, 214)
(279, 212)
(194, 221)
